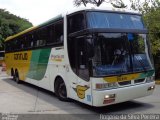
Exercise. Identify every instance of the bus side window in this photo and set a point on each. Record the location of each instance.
(28, 39)
(59, 32)
(25, 42)
(76, 23)
(50, 31)
(7, 46)
(41, 37)
(32, 44)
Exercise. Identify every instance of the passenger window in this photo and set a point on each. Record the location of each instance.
(76, 23)
(50, 39)
(28, 41)
(41, 37)
(59, 32)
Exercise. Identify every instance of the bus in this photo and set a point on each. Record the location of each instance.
(1, 57)
(95, 56)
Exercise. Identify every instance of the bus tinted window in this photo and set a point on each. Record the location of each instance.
(41, 37)
(51, 38)
(29, 41)
(76, 23)
(59, 32)
(51, 34)
(114, 20)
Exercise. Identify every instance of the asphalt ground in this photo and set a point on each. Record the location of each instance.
(30, 100)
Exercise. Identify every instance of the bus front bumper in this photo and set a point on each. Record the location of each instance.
(113, 96)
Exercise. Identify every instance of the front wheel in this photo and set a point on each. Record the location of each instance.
(61, 90)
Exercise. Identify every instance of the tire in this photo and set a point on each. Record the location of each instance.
(12, 74)
(60, 90)
(17, 77)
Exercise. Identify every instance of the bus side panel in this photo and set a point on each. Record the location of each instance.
(19, 61)
(38, 68)
(39, 62)
(56, 65)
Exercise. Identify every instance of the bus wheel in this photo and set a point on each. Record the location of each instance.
(12, 74)
(60, 90)
(17, 77)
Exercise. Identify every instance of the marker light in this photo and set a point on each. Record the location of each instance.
(106, 96)
(151, 88)
(109, 98)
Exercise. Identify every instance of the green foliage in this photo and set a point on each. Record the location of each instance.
(152, 20)
(11, 24)
(151, 12)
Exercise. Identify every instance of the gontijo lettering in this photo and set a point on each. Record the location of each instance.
(21, 56)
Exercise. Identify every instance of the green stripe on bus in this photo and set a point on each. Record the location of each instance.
(39, 62)
(146, 74)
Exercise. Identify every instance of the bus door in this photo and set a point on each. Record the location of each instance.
(83, 87)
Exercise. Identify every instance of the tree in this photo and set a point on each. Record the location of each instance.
(144, 6)
(114, 3)
(10, 25)
(151, 14)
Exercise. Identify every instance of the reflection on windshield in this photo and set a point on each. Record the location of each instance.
(119, 53)
(114, 20)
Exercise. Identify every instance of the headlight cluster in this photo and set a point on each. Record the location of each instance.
(106, 85)
(150, 79)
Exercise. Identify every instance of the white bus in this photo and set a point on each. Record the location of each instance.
(96, 56)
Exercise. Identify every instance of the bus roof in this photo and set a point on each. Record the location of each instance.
(118, 10)
(68, 13)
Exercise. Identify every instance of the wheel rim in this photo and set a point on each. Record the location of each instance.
(16, 78)
(62, 90)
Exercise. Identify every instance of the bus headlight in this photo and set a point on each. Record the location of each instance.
(106, 85)
(150, 79)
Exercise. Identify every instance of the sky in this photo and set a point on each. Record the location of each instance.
(37, 11)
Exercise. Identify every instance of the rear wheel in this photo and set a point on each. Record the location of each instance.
(60, 89)
(12, 74)
(17, 77)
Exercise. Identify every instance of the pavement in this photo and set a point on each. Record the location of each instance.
(28, 99)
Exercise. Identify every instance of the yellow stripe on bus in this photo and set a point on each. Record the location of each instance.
(122, 78)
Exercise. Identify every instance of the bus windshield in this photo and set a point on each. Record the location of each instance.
(114, 20)
(120, 53)
(117, 44)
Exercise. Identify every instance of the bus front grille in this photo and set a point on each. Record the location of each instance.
(139, 81)
(124, 83)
